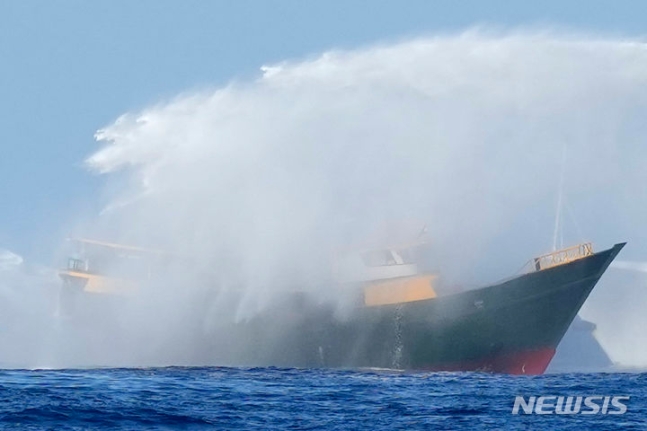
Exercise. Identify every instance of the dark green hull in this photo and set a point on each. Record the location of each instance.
(511, 327)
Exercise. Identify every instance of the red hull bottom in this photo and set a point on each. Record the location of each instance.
(529, 362)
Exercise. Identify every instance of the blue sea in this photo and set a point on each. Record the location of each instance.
(302, 399)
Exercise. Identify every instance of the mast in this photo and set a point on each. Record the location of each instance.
(560, 197)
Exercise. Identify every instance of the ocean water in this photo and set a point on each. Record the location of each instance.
(271, 398)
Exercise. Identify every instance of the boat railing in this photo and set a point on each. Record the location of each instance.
(561, 257)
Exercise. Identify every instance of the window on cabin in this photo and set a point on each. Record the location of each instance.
(407, 255)
(379, 258)
(76, 264)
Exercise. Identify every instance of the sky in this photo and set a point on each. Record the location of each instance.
(68, 68)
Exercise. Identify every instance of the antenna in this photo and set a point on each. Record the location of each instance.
(560, 198)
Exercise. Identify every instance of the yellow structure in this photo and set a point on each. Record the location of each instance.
(399, 290)
(563, 256)
(93, 283)
(104, 267)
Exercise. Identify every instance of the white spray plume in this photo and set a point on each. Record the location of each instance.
(630, 266)
(9, 260)
(463, 132)
(27, 301)
(262, 181)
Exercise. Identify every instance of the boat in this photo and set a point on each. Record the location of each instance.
(579, 351)
(396, 316)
